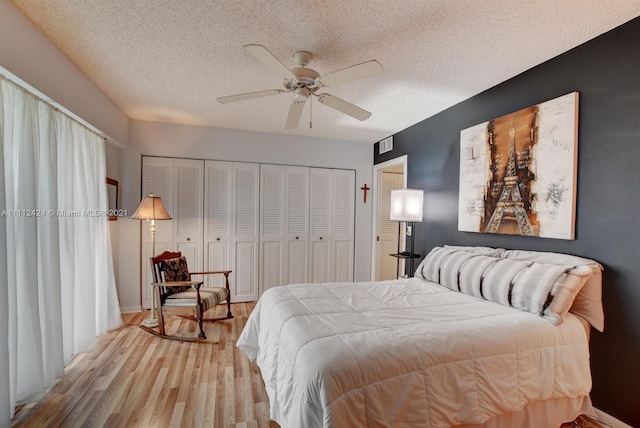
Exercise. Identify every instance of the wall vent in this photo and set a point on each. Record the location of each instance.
(385, 145)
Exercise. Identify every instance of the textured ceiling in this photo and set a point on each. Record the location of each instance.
(168, 60)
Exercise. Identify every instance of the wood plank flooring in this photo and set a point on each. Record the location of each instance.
(135, 379)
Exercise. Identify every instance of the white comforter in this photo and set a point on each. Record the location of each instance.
(406, 353)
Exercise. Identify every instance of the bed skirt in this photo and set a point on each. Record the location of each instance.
(546, 413)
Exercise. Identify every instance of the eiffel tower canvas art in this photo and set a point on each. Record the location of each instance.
(518, 172)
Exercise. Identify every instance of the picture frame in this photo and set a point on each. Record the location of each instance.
(518, 172)
(112, 194)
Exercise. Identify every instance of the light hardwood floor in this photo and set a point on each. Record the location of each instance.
(135, 379)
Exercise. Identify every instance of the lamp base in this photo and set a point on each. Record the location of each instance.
(150, 322)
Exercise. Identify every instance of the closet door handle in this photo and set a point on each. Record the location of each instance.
(321, 238)
(296, 237)
(217, 239)
(188, 239)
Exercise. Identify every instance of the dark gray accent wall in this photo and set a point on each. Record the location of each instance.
(606, 73)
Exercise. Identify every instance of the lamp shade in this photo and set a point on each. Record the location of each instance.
(406, 205)
(151, 208)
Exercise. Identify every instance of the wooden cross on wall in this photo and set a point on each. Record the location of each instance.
(365, 188)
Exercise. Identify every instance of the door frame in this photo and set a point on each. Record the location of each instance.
(377, 176)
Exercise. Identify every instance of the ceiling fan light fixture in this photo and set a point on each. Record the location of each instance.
(302, 94)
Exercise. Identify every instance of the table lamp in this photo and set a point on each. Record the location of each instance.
(406, 205)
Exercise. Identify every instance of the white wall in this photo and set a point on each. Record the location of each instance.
(197, 142)
(26, 52)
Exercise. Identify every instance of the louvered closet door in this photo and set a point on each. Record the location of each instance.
(320, 224)
(217, 220)
(245, 238)
(297, 225)
(188, 203)
(387, 233)
(343, 225)
(272, 203)
(157, 178)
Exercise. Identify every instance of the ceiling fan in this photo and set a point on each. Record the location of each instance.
(305, 83)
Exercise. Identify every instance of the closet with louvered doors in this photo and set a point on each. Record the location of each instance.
(331, 225)
(284, 225)
(270, 224)
(231, 225)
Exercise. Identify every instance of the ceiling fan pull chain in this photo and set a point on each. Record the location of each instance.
(310, 112)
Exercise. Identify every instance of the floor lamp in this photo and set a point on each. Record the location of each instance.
(151, 209)
(406, 205)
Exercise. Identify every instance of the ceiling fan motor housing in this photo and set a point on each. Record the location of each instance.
(305, 78)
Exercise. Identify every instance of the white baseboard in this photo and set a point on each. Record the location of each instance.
(610, 420)
(130, 309)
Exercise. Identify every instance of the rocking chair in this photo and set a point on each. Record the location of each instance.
(177, 294)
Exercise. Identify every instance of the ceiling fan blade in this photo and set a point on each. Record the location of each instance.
(355, 72)
(261, 53)
(295, 111)
(248, 96)
(344, 107)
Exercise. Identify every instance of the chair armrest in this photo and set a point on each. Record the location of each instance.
(225, 272)
(194, 284)
(226, 276)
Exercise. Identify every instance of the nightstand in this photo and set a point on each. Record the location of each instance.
(407, 255)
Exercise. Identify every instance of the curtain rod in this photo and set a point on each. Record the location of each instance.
(25, 87)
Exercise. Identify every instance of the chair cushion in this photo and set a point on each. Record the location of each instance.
(175, 270)
(209, 296)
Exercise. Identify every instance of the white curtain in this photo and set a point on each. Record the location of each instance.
(56, 272)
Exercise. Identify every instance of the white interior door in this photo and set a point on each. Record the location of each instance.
(387, 230)
(272, 203)
(331, 225)
(343, 225)
(217, 220)
(320, 225)
(297, 225)
(284, 225)
(188, 237)
(245, 237)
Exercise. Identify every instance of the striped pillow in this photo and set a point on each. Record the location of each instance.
(588, 301)
(544, 289)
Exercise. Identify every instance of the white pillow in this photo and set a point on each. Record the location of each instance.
(487, 251)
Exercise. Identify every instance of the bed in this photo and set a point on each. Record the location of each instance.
(441, 349)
